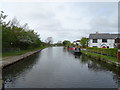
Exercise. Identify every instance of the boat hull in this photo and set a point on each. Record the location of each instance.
(76, 52)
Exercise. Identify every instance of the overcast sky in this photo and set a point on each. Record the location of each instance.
(65, 20)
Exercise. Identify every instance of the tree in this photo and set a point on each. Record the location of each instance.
(84, 42)
(2, 17)
(15, 35)
(66, 43)
(59, 43)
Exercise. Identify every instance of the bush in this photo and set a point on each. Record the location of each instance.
(104, 51)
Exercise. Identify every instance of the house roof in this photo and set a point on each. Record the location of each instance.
(104, 36)
(76, 41)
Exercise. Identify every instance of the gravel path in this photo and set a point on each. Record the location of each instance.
(12, 59)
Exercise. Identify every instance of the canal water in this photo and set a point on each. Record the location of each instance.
(56, 67)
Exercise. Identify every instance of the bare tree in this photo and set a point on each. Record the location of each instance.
(25, 26)
(14, 22)
(49, 40)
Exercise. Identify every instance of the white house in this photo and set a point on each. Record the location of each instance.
(77, 42)
(103, 40)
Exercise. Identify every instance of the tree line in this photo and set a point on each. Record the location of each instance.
(83, 43)
(15, 35)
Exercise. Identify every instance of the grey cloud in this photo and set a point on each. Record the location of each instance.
(42, 15)
(65, 21)
(104, 24)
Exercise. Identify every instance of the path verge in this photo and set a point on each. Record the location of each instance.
(12, 59)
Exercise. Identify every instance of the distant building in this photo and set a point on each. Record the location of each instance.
(77, 42)
(104, 40)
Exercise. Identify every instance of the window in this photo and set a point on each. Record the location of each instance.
(94, 40)
(117, 40)
(104, 40)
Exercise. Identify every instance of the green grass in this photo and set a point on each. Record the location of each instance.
(102, 57)
(16, 53)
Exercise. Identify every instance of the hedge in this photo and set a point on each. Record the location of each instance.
(103, 51)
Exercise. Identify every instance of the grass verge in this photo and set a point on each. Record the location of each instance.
(101, 57)
(16, 53)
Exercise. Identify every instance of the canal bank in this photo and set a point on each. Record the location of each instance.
(6, 61)
(103, 58)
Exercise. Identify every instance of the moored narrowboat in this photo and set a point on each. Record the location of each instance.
(75, 50)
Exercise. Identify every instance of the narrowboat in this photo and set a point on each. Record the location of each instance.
(75, 50)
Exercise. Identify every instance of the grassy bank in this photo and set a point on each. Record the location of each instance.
(104, 58)
(104, 51)
(16, 53)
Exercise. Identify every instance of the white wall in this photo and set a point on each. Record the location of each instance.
(90, 44)
(110, 43)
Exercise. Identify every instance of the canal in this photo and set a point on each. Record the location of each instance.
(56, 67)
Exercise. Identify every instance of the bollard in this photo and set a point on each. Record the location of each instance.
(118, 54)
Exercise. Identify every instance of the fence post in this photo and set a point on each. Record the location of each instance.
(118, 54)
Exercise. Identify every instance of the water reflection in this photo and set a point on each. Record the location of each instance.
(72, 53)
(14, 71)
(56, 67)
(77, 56)
(96, 66)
